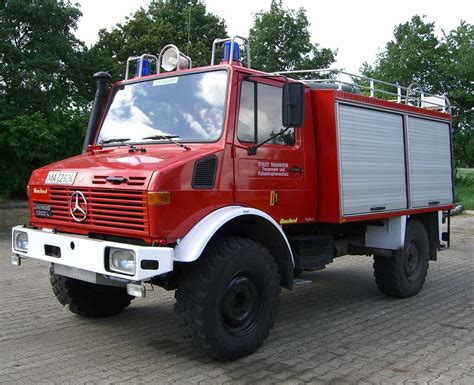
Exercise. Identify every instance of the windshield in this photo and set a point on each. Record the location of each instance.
(190, 108)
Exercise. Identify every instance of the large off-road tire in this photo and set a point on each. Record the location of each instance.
(88, 299)
(227, 301)
(403, 275)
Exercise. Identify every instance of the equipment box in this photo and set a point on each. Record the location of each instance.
(373, 161)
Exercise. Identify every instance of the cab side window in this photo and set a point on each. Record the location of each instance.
(260, 114)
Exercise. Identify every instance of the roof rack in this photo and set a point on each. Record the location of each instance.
(413, 95)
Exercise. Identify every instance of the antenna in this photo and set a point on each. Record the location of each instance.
(189, 28)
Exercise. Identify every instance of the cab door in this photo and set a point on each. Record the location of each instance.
(273, 180)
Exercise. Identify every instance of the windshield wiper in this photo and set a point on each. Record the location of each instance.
(132, 148)
(170, 138)
(121, 140)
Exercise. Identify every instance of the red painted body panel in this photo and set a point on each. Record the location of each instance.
(326, 154)
(311, 196)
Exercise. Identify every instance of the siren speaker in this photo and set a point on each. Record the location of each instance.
(172, 60)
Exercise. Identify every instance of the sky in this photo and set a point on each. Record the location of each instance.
(358, 29)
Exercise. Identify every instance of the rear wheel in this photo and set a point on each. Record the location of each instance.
(88, 299)
(227, 301)
(403, 275)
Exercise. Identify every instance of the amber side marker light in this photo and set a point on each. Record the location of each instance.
(158, 198)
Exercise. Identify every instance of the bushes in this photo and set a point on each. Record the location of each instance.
(31, 141)
(464, 187)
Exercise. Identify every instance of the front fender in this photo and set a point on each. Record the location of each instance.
(192, 245)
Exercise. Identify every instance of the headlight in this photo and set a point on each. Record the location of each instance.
(122, 261)
(20, 241)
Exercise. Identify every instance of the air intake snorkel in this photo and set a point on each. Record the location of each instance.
(103, 79)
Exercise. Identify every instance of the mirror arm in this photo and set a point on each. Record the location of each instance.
(252, 150)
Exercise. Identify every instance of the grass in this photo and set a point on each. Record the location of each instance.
(464, 187)
(466, 172)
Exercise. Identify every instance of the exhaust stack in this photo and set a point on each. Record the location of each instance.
(103, 79)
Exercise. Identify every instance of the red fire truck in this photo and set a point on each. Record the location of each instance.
(224, 183)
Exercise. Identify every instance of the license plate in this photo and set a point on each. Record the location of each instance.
(61, 177)
(42, 210)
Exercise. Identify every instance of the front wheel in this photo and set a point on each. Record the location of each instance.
(227, 301)
(403, 275)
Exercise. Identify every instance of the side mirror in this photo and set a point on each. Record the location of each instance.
(293, 105)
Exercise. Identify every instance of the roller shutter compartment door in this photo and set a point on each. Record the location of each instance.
(372, 160)
(430, 162)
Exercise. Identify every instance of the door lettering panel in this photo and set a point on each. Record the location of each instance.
(260, 168)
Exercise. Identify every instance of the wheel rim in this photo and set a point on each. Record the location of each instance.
(412, 262)
(242, 303)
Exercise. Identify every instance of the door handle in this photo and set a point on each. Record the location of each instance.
(296, 169)
(116, 179)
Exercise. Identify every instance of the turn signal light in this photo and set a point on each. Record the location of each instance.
(158, 198)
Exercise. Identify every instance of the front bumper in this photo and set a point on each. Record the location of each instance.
(83, 253)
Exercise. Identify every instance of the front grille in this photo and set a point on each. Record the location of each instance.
(107, 209)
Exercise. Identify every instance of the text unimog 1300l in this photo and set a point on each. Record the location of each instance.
(222, 182)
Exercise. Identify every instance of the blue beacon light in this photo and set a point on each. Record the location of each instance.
(226, 52)
(146, 70)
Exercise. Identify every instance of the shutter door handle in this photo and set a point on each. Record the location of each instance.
(377, 208)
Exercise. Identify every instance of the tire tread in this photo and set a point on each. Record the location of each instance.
(81, 299)
(386, 270)
(194, 290)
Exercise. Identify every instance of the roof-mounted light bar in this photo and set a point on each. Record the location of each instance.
(230, 53)
(143, 65)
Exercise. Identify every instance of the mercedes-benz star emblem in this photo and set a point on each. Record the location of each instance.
(78, 206)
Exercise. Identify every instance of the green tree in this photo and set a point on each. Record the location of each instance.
(441, 65)
(187, 24)
(35, 140)
(412, 57)
(457, 83)
(40, 57)
(42, 87)
(280, 40)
